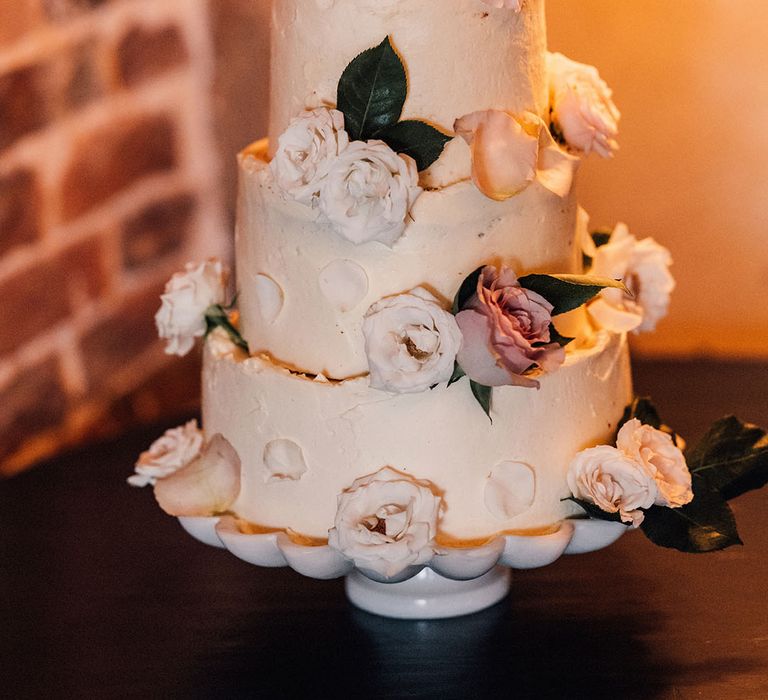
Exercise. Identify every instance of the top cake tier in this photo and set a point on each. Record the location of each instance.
(461, 55)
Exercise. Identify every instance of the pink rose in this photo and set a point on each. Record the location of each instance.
(506, 332)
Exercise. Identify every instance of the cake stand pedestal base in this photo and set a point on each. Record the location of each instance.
(428, 596)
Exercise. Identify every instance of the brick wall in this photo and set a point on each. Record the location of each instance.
(109, 182)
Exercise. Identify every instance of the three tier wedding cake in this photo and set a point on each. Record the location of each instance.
(425, 344)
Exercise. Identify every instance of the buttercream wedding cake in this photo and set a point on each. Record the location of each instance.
(425, 344)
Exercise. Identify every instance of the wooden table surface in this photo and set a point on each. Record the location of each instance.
(103, 596)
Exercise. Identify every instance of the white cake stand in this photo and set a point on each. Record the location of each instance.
(457, 581)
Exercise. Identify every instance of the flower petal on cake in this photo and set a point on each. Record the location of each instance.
(510, 489)
(344, 283)
(504, 153)
(207, 486)
(270, 297)
(284, 459)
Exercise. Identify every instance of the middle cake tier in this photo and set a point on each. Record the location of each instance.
(303, 290)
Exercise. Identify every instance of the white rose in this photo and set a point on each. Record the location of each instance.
(612, 481)
(662, 459)
(515, 5)
(651, 281)
(411, 342)
(386, 522)
(369, 192)
(582, 108)
(305, 152)
(169, 453)
(187, 296)
(644, 268)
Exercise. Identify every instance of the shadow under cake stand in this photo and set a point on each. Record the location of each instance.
(456, 581)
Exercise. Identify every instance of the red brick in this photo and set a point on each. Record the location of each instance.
(121, 338)
(144, 53)
(62, 10)
(39, 297)
(159, 230)
(34, 401)
(173, 390)
(112, 159)
(23, 104)
(87, 274)
(82, 83)
(17, 18)
(33, 301)
(20, 204)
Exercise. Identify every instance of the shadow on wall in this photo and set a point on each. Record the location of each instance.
(689, 77)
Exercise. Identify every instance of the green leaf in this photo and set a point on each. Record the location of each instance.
(594, 511)
(458, 373)
(372, 91)
(568, 292)
(706, 524)
(483, 395)
(467, 289)
(732, 458)
(556, 337)
(643, 409)
(216, 316)
(422, 141)
(601, 238)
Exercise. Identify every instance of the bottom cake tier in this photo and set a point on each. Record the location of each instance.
(303, 440)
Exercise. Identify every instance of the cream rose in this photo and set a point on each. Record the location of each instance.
(644, 268)
(582, 108)
(305, 152)
(411, 342)
(510, 152)
(506, 332)
(369, 191)
(207, 486)
(662, 460)
(515, 5)
(386, 522)
(613, 481)
(169, 453)
(187, 296)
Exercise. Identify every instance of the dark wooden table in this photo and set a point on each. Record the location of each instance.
(103, 596)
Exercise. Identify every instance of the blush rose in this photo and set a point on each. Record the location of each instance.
(506, 332)
(613, 481)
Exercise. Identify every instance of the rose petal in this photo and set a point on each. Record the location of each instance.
(475, 356)
(504, 154)
(207, 486)
(612, 318)
(556, 167)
